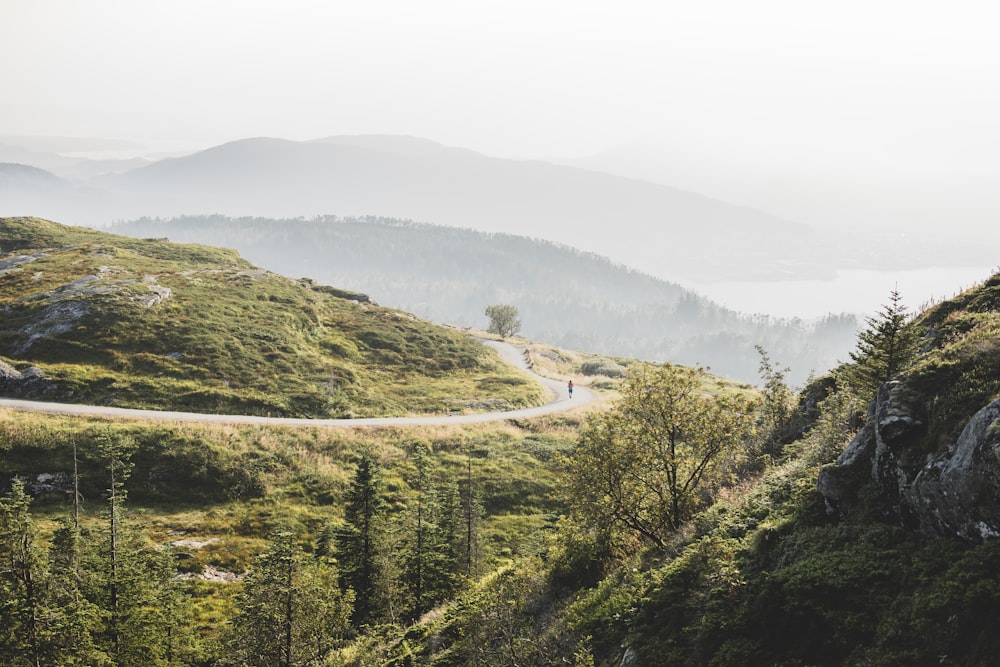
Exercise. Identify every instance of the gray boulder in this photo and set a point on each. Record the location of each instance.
(888, 468)
(958, 493)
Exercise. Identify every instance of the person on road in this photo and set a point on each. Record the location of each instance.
(569, 388)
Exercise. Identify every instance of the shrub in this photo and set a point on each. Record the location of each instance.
(602, 366)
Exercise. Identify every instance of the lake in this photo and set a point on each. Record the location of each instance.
(852, 291)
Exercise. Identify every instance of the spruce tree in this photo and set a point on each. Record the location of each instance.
(359, 540)
(76, 620)
(885, 347)
(21, 573)
(291, 611)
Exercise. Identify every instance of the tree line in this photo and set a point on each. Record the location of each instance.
(566, 297)
(102, 593)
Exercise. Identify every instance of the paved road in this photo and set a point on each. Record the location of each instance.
(560, 402)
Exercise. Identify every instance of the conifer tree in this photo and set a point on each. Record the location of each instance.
(76, 620)
(117, 454)
(21, 573)
(433, 536)
(291, 612)
(422, 543)
(471, 516)
(884, 348)
(359, 540)
(127, 577)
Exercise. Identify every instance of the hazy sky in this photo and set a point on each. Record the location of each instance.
(514, 78)
(871, 113)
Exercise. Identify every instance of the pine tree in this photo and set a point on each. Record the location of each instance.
(117, 454)
(128, 578)
(472, 513)
(359, 540)
(885, 347)
(291, 611)
(76, 620)
(21, 572)
(433, 530)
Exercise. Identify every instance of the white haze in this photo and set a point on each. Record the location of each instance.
(869, 117)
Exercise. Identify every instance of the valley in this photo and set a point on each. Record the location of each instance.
(514, 516)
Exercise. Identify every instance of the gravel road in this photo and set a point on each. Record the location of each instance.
(559, 402)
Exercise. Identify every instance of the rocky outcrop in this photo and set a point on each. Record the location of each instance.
(958, 493)
(887, 469)
(30, 383)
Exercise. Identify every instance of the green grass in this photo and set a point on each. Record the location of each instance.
(238, 482)
(229, 338)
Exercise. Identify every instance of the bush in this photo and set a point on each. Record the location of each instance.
(606, 367)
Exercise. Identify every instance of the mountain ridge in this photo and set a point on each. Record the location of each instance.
(565, 296)
(684, 234)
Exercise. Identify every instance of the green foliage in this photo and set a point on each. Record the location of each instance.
(649, 463)
(504, 320)
(150, 324)
(603, 366)
(885, 347)
(571, 299)
(361, 538)
(291, 611)
(775, 408)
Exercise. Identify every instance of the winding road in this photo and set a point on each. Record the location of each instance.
(560, 402)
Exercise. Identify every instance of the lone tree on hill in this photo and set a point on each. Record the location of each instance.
(503, 320)
(886, 346)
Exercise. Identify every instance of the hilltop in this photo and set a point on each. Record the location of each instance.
(95, 317)
(568, 298)
(684, 235)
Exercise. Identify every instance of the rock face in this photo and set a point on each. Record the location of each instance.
(886, 466)
(31, 383)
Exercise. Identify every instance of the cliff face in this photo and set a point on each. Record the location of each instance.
(928, 456)
(956, 492)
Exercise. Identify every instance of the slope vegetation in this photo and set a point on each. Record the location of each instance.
(95, 317)
(571, 299)
(846, 552)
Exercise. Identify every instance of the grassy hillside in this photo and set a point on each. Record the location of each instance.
(153, 324)
(768, 575)
(214, 493)
(573, 299)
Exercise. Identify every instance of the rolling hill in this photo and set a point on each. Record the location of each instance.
(99, 318)
(663, 231)
(572, 299)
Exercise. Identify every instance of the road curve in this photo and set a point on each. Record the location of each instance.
(560, 402)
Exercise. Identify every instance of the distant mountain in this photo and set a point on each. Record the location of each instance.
(28, 190)
(666, 232)
(890, 199)
(93, 317)
(14, 177)
(566, 297)
(64, 166)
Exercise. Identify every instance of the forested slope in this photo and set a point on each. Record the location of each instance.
(568, 298)
(871, 538)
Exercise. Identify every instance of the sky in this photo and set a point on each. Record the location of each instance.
(512, 79)
(857, 113)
